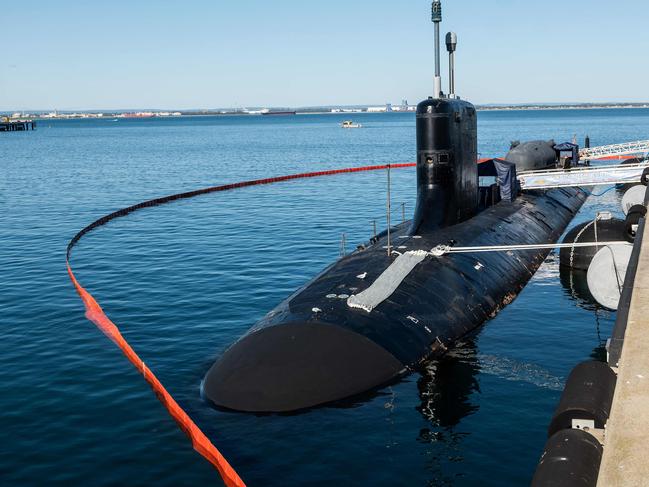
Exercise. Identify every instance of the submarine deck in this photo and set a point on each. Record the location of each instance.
(624, 461)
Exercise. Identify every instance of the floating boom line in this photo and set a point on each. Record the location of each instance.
(95, 313)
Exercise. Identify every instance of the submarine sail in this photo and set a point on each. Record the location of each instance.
(447, 172)
(372, 316)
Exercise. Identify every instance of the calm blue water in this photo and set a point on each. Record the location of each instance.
(183, 281)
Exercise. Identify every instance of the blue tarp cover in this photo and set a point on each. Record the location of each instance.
(506, 176)
(567, 146)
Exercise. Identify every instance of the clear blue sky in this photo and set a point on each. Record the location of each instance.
(73, 54)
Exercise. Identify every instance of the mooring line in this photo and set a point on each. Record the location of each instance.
(442, 249)
(95, 314)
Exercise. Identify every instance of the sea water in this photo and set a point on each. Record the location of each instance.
(185, 280)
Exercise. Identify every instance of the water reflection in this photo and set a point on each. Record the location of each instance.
(445, 385)
(576, 286)
(446, 389)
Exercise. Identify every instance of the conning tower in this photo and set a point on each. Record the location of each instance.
(447, 171)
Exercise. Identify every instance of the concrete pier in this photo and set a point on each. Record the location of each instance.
(626, 438)
(17, 125)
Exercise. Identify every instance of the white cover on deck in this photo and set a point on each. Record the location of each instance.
(387, 282)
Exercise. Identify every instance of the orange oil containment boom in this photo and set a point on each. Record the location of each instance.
(94, 313)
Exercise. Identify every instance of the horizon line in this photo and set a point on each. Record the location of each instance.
(312, 107)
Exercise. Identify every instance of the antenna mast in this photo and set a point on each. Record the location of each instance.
(436, 17)
(451, 43)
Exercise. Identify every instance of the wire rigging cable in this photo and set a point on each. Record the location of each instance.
(443, 249)
(95, 314)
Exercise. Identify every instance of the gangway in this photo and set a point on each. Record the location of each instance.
(637, 147)
(582, 176)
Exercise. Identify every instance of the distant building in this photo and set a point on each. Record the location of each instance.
(385, 108)
(256, 112)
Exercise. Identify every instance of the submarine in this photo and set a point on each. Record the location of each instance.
(379, 312)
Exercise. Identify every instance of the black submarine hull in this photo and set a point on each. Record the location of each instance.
(371, 316)
(313, 348)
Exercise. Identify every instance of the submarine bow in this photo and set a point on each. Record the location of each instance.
(297, 365)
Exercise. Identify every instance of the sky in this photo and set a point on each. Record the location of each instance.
(181, 54)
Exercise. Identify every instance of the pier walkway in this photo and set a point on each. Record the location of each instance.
(626, 442)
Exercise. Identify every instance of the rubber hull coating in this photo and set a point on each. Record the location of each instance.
(532, 155)
(313, 348)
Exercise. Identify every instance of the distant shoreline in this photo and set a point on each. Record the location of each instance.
(346, 110)
(483, 108)
(561, 107)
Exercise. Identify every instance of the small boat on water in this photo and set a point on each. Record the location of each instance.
(348, 124)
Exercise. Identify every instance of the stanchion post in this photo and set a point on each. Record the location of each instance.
(389, 210)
